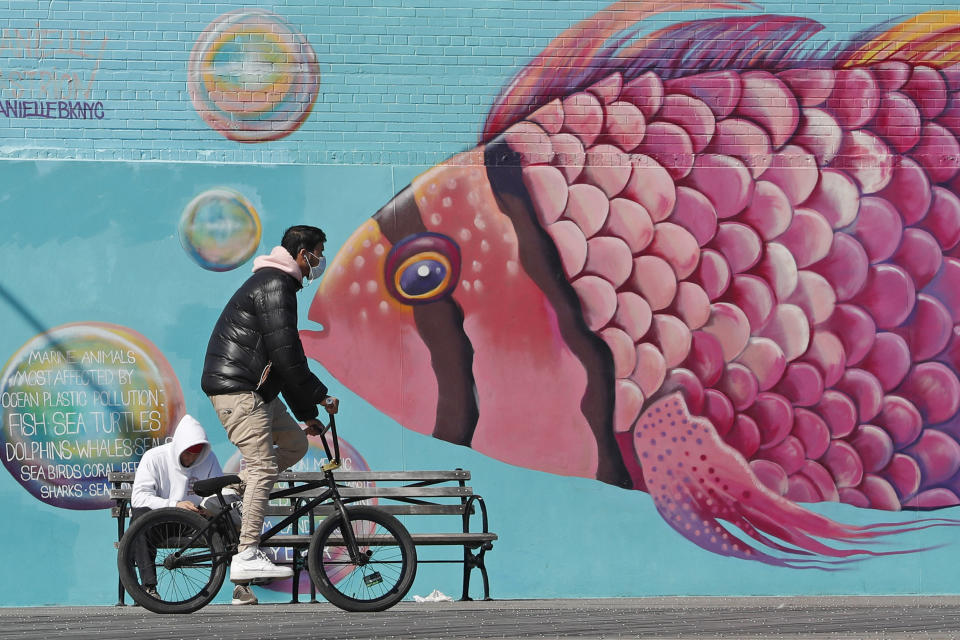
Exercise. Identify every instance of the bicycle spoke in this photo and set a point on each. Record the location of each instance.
(196, 566)
(373, 579)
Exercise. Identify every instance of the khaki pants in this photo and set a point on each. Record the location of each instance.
(254, 427)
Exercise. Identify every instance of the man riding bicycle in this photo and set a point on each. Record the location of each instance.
(253, 356)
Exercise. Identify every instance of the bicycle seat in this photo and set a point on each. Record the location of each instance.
(210, 486)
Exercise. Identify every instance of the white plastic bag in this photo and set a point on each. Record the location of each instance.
(435, 596)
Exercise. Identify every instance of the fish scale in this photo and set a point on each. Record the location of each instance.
(827, 236)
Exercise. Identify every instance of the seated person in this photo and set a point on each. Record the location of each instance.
(165, 478)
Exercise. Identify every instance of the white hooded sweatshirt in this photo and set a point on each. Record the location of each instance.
(161, 480)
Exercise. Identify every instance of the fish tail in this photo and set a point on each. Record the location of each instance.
(696, 481)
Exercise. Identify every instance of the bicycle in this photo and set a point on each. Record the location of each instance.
(359, 558)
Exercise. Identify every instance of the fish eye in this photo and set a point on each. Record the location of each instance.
(422, 268)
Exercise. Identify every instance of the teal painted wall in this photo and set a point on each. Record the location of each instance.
(90, 210)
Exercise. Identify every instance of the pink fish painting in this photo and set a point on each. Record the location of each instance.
(714, 263)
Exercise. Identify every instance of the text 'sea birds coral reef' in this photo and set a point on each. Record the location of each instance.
(708, 263)
(253, 77)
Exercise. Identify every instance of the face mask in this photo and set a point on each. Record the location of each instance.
(315, 271)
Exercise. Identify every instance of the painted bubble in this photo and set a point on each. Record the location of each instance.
(220, 229)
(252, 77)
(312, 461)
(79, 401)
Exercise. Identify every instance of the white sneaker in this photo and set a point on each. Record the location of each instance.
(243, 594)
(252, 563)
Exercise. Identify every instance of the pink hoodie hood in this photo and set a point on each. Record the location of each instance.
(279, 258)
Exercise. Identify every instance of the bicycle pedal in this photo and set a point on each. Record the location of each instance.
(330, 466)
(372, 579)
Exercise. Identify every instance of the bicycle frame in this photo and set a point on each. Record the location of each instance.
(330, 493)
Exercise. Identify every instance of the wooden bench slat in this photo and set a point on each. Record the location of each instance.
(392, 509)
(391, 492)
(360, 492)
(402, 492)
(379, 540)
(410, 509)
(395, 509)
(452, 538)
(344, 476)
(398, 476)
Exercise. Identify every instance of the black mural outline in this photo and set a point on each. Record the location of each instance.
(542, 263)
(440, 325)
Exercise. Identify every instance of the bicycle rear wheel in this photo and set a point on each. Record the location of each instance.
(182, 585)
(385, 572)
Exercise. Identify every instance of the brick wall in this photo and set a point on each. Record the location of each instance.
(402, 81)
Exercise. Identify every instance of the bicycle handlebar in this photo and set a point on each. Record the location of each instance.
(332, 424)
(333, 459)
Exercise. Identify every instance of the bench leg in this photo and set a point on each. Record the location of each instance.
(486, 581)
(295, 585)
(467, 568)
(313, 592)
(121, 520)
(473, 561)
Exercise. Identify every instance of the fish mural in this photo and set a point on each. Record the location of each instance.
(715, 263)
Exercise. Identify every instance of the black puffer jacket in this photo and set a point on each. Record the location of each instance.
(259, 327)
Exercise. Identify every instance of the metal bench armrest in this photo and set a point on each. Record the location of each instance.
(468, 509)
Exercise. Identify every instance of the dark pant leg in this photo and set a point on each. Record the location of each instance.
(145, 553)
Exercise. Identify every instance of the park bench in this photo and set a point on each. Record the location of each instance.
(399, 493)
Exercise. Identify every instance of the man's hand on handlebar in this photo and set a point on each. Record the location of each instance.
(314, 427)
(331, 404)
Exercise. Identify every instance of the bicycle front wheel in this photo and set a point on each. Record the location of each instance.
(155, 577)
(382, 574)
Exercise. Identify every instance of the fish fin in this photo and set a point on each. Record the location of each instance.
(696, 480)
(608, 42)
(931, 38)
